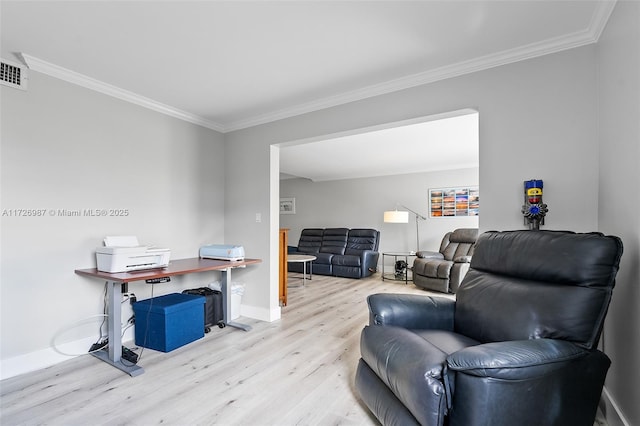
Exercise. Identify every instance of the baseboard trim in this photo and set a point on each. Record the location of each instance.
(44, 358)
(611, 410)
(261, 314)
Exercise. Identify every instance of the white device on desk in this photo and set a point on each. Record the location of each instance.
(124, 254)
(222, 252)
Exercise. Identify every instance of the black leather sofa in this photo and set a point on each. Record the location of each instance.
(340, 252)
(518, 346)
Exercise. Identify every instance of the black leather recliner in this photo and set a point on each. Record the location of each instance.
(516, 347)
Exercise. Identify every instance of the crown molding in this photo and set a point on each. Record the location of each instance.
(73, 77)
(533, 50)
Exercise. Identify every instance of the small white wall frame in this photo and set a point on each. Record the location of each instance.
(287, 206)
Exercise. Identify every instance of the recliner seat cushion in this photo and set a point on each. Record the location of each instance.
(435, 269)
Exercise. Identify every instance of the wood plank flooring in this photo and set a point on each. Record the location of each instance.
(295, 371)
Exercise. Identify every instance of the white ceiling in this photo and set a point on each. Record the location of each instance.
(443, 144)
(229, 65)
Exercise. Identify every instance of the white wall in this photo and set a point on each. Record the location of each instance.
(618, 63)
(360, 203)
(65, 147)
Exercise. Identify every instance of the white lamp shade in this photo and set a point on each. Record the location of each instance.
(396, 216)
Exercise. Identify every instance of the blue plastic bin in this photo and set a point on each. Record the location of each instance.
(167, 322)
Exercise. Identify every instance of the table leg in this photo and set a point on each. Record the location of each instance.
(114, 354)
(225, 287)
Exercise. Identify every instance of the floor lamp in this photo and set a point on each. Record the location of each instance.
(398, 216)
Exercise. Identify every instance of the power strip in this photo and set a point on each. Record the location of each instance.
(158, 280)
(129, 355)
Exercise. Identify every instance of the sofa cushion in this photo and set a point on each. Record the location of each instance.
(334, 240)
(447, 341)
(323, 258)
(346, 260)
(362, 239)
(310, 240)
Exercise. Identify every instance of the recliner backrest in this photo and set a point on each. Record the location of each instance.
(538, 284)
(310, 240)
(458, 243)
(334, 240)
(362, 239)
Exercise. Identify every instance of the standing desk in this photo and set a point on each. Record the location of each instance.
(115, 281)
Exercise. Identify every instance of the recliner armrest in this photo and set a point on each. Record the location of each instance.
(515, 360)
(411, 311)
(462, 259)
(429, 255)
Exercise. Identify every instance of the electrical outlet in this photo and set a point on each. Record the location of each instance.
(258, 217)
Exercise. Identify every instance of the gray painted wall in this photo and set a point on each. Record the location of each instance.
(618, 63)
(360, 203)
(69, 148)
(538, 119)
(569, 118)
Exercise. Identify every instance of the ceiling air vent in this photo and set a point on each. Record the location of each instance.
(13, 75)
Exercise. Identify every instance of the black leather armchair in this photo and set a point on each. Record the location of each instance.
(516, 347)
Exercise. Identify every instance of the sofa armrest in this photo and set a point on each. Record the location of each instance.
(429, 255)
(411, 311)
(292, 249)
(369, 262)
(515, 360)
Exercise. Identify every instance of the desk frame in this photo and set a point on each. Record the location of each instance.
(117, 283)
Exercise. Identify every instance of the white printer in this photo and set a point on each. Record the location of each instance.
(222, 252)
(124, 254)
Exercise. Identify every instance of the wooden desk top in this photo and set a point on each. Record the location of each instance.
(176, 267)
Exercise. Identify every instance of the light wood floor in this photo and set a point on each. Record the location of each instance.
(296, 371)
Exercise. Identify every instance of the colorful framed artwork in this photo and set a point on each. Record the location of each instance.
(452, 202)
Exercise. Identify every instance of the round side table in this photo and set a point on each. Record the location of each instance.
(304, 259)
